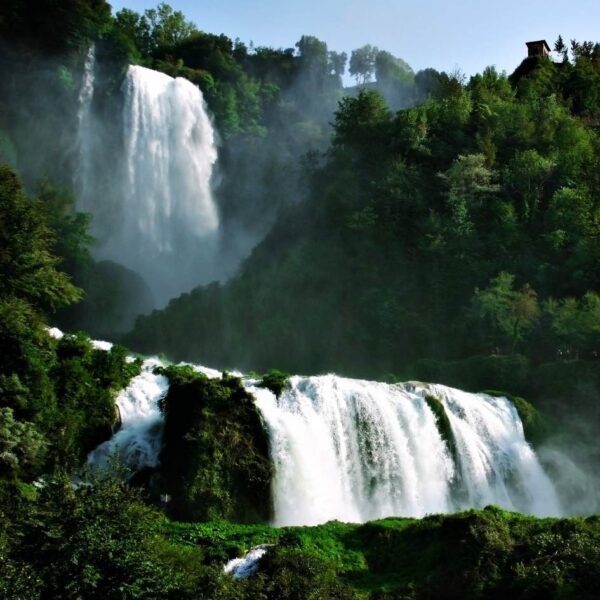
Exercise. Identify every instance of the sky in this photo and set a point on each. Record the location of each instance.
(447, 35)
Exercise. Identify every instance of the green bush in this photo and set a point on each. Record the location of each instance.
(275, 380)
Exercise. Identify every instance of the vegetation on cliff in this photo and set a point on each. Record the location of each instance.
(227, 471)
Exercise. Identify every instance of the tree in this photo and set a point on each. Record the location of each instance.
(337, 63)
(159, 27)
(54, 27)
(577, 322)
(71, 229)
(562, 49)
(22, 446)
(28, 265)
(362, 63)
(358, 120)
(100, 540)
(168, 27)
(508, 313)
(528, 173)
(313, 53)
(389, 68)
(428, 82)
(470, 184)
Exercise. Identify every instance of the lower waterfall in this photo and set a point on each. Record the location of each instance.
(137, 443)
(356, 451)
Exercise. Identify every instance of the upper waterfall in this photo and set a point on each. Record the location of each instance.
(146, 179)
(170, 152)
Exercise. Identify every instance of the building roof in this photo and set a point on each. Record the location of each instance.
(529, 44)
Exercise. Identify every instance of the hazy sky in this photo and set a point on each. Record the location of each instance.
(444, 34)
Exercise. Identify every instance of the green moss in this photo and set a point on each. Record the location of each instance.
(535, 426)
(27, 490)
(275, 380)
(178, 374)
(443, 423)
(215, 458)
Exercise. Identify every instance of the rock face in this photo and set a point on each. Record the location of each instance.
(215, 457)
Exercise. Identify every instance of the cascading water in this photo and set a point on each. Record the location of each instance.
(147, 183)
(170, 152)
(85, 121)
(247, 566)
(356, 450)
(137, 443)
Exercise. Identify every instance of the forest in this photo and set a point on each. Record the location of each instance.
(416, 226)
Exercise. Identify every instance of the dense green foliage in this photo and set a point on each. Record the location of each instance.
(56, 397)
(97, 541)
(215, 425)
(485, 554)
(275, 380)
(102, 541)
(456, 241)
(28, 267)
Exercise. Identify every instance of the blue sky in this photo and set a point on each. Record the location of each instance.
(444, 34)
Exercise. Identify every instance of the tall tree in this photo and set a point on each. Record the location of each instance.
(510, 314)
(362, 63)
(28, 266)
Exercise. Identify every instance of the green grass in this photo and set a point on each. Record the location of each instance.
(471, 553)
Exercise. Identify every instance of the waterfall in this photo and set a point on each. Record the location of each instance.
(85, 123)
(137, 443)
(169, 155)
(356, 451)
(247, 566)
(145, 176)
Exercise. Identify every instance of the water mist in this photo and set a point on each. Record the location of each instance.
(148, 184)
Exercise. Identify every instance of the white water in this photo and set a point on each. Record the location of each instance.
(146, 179)
(356, 450)
(170, 152)
(137, 443)
(85, 134)
(241, 568)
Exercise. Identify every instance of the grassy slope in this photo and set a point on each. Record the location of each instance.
(476, 553)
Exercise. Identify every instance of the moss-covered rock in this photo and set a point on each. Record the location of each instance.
(443, 423)
(215, 458)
